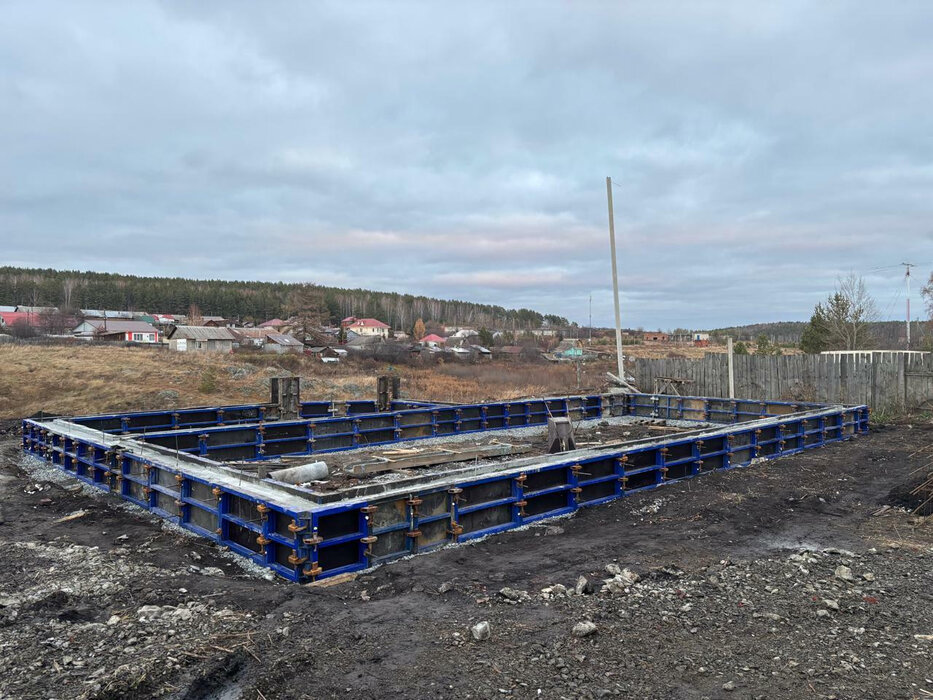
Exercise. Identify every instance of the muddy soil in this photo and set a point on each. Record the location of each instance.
(778, 581)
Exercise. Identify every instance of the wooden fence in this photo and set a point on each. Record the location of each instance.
(889, 382)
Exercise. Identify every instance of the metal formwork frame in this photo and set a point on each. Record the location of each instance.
(302, 538)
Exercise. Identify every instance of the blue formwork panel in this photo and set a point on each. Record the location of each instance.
(150, 421)
(316, 409)
(253, 442)
(319, 540)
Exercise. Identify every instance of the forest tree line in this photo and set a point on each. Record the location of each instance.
(71, 290)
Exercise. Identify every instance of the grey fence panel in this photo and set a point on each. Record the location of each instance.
(892, 381)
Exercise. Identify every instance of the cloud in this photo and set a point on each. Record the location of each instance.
(461, 150)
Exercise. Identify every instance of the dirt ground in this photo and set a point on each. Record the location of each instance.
(773, 581)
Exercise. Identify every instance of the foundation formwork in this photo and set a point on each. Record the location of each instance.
(172, 463)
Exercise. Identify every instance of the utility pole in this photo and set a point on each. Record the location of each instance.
(615, 281)
(731, 368)
(907, 277)
(591, 319)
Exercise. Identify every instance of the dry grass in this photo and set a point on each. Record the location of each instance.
(75, 380)
(98, 379)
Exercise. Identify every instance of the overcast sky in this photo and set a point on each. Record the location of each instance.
(459, 150)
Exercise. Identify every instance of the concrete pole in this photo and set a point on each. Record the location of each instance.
(908, 307)
(615, 281)
(731, 368)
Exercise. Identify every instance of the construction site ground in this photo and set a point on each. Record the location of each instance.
(528, 442)
(805, 576)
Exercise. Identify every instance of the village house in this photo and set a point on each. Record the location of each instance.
(251, 337)
(108, 313)
(9, 319)
(272, 323)
(432, 340)
(367, 327)
(117, 330)
(481, 353)
(569, 349)
(200, 339)
(36, 310)
(656, 337)
(281, 343)
(327, 353)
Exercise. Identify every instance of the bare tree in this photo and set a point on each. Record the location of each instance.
(194, 316)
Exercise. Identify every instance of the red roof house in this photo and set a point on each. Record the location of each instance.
(368, 326)
(433, 338)
(11, 318)
(274, 323)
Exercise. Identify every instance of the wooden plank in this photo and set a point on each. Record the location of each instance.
(378, 464)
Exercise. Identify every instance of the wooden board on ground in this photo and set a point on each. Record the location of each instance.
(390, 460)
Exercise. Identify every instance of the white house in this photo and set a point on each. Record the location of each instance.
(368, 327)
(118, 329)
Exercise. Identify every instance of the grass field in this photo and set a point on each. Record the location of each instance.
(96, 379)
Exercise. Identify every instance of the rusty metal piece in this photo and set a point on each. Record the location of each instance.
(368, 541)
(262, 508)
(295, 527)
(179, 478)
(295, 560)
(217, 492)
(521, 479)
(414, 534)
(368, 509)
(313, 571)
(262, 540)
(455, 529)
(312, 541)
(576, 489)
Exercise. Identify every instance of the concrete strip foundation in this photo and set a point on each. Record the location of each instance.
(172, 463)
